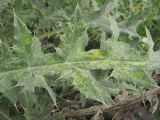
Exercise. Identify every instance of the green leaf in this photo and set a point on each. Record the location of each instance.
(87, 84)
(114, 28)
(79, 45)
(3, 5)
(29, 51)
(77, 12)
(95, 5)
(23, 37)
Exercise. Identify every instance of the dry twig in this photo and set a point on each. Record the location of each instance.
(115, 106)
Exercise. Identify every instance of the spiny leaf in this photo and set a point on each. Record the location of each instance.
(23, 39)
(114, 28)
(30, 51)
(95, 5)
(93, 89)
(79, 45)
(77, 12)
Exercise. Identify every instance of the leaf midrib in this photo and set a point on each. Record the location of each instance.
(110, 62)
